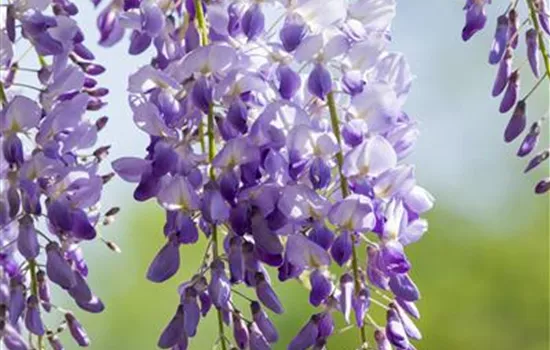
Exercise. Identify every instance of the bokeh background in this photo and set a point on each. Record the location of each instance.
(483, 267)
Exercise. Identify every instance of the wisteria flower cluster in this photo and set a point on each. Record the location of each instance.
(50, 183)
(277, 132)
(534, 28)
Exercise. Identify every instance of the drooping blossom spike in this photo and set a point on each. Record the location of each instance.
(499, 41)
(531, 39)
(51, 185)
(510, 82)
(530, 141)
(511, 93)
(242, 148)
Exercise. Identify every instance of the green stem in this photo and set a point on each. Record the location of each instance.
(534, 88)
(3, 99)
(211, 153)
(42, 60)
(211, 139)
(34, 291)
(201, 22)
(542, 45)
(336, 130)
(215, 249)
(345, 192)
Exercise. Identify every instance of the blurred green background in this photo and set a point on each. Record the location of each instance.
(483, 266)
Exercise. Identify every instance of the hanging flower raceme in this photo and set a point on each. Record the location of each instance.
(49, 165)
(282, 143)
(534, 29)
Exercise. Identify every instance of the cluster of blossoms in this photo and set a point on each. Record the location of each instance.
(276, 130)
(508, 33)
(50, 186)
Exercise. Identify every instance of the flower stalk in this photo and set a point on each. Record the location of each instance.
(507, 80)
(202, 27)
(345, 192)
(64, 89)
(3, 99)
(34, 291)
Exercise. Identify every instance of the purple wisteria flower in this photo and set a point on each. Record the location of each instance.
(536, 33)
(277, 134)
(50, 184)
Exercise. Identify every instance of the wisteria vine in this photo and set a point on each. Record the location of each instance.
(277, 134)
(535, 24)
(277, 130)
(50, 183)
